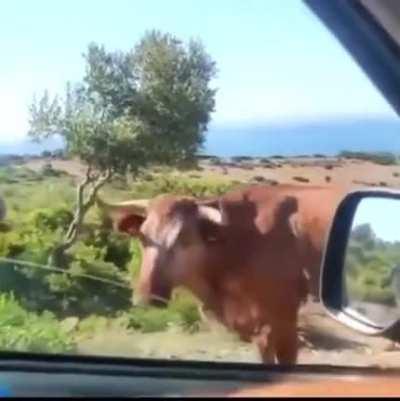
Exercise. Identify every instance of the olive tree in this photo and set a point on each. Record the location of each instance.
(151, 104)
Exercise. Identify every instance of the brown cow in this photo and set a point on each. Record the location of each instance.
(245, 255)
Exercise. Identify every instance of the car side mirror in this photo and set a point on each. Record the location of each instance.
(360, 280)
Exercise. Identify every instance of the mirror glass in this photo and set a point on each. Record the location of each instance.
(371, 279)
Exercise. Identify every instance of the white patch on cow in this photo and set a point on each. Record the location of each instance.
(163, 236)
(171, 232)
(294, 224)
(151, 226)
(211, 214)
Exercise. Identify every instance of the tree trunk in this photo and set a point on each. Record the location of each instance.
(58, 256)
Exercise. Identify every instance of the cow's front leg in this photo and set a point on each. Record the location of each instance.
(286, 342)
(266, 346)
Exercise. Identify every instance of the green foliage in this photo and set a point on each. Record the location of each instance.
(92, 325)
(182, 312)
(149, 320)
(384, 158)
(33, 239)
(28, 332)
(145, 106)
(239, 159)
(48, 171)
(14, 175)
(181, 186)
(150, 104)
(369, 264)
(176, 100)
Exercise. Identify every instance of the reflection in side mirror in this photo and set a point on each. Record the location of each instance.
(372, 263)
(361, 269)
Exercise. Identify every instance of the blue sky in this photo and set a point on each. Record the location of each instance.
(276, 61)
(381, 214)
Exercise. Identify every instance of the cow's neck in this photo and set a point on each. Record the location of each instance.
(227, 301)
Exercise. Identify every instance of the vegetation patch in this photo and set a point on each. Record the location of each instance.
(29, 332)
(383, 158)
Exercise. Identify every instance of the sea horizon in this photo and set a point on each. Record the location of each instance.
(327, 137)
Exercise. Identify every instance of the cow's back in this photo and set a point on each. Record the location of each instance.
(315, 205)
(314, 208)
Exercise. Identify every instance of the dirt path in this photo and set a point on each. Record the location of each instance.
(329, 343)
(314, 171)
(336, 344)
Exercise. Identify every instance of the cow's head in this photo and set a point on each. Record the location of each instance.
(176, 235)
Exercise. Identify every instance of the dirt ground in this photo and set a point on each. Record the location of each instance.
(325, 171)
(328, 342)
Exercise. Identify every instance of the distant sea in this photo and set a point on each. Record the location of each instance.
(322, 137)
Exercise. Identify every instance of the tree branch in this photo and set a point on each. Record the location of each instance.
(79, 202)
(101, 181)
(84, 205)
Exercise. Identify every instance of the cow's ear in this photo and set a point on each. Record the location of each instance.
(129, 224)
(126, 217)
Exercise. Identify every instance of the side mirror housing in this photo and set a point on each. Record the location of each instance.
(360, 280)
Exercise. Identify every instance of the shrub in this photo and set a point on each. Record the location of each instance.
(384, 158)
(149, 320)
(182, 312)
(92, 325)
(102, 255)
(27, 332)
(48, 171)
(180, 186)
(46, 153)
(259, 178)
(301, 179)
(239, 159)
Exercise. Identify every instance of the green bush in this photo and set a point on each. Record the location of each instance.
(33, 239)
(180, 186)
(384, 158)
(92, 325)
(27, 332)
(369, 262)
(14, 175)
(181, 312)
(48, 171)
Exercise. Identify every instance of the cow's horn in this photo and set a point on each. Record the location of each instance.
(136, 206)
